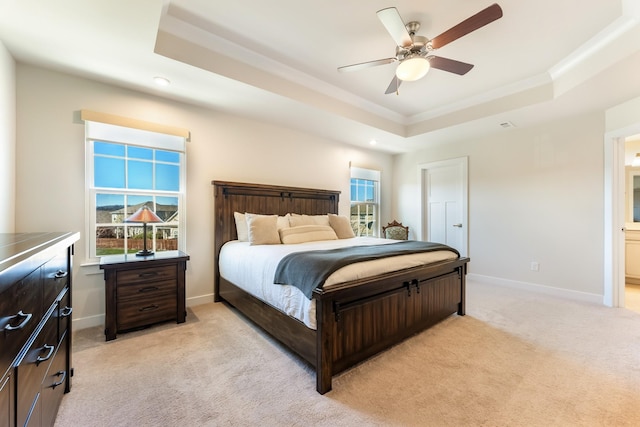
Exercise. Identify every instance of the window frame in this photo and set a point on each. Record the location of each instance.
(367, 175)
(102, 132)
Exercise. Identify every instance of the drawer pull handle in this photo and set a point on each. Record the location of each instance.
(149, 274)
(149, 308)
(66, 312)
(51, 348)
(64, 377)
(22, 324)
(60, 274)
(149, 289)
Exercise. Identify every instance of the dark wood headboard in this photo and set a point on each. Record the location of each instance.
(230, 197)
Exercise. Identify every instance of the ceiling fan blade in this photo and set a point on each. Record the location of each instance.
(470, 24)
(392, 21)
(393, 86)
(360, 66)
(450, 65)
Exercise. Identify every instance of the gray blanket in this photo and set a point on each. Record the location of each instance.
(309, 270)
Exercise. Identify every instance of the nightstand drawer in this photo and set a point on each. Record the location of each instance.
(146, 290)
(141, 291)
(147, 275)
(145, 311)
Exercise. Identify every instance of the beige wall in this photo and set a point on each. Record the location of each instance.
(50, 167)
(534, 195)
(7, 140)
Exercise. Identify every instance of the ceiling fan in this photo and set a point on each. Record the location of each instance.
(415, 53)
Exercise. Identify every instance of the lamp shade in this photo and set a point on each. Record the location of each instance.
(413, 67)
(144, 215)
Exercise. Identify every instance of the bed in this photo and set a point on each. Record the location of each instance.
(353, 320)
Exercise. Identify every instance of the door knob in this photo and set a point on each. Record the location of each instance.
(457, 225)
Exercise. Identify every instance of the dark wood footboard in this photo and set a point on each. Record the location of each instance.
(362, 319)
(355, 320)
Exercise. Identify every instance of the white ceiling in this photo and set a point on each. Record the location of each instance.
(277, 60)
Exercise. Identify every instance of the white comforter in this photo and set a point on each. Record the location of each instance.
(252, 268)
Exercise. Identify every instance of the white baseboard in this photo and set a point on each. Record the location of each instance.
(87, 322)
(199, 300)
(533, 287)
(98, 319)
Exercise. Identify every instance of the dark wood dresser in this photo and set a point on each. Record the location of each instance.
(35, 324)
(141, 291)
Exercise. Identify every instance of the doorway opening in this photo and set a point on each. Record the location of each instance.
(615, 223)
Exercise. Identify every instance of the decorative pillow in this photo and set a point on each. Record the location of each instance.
(296, 220)
(262, 229)
(342, 226)
(242, 229)
(307, 233)
(283, 222)
(241, 226)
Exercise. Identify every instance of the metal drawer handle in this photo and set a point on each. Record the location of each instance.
(51, 348)
(22, 324)
(149, 289)
(66, 312)
(150, 274)
(149, 308)
(60, 274)
(64, 377)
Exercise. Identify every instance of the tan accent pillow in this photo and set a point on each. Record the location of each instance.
(283, 222)
(242, 229)
(296, 220)
(307, 233)
(341, 225)
(241, 226)
(263, 229)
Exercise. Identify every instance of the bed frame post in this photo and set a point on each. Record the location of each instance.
(324, 345)
(462, 274)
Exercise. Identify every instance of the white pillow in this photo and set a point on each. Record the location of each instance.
(307, 233)
(341, 225)
(241, 226)
(262, 229)
(296, 220)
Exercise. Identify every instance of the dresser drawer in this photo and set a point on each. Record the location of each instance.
(147, 275)
(134, 313)
(146, 290)
(6, 400)
(56, 277)
(20, 312)
(63, 313)
(33, 367)
(53, 385)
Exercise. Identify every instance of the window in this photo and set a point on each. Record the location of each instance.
(126, 170)
(365, 201)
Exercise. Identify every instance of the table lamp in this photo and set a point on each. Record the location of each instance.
(145, 216)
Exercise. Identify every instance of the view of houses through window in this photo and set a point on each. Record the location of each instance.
(364, 201)
(114, 236)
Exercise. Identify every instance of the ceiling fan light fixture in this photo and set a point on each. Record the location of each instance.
(413, 67)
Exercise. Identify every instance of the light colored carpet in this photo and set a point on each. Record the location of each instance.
(516, 359)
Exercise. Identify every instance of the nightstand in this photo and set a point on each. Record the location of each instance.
(141, 291)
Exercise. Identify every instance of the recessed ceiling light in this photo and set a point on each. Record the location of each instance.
(161, 81)
(373, 142)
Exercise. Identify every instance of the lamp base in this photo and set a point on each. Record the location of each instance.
(144, 253)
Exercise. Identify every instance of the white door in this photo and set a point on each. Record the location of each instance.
(444, 208)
